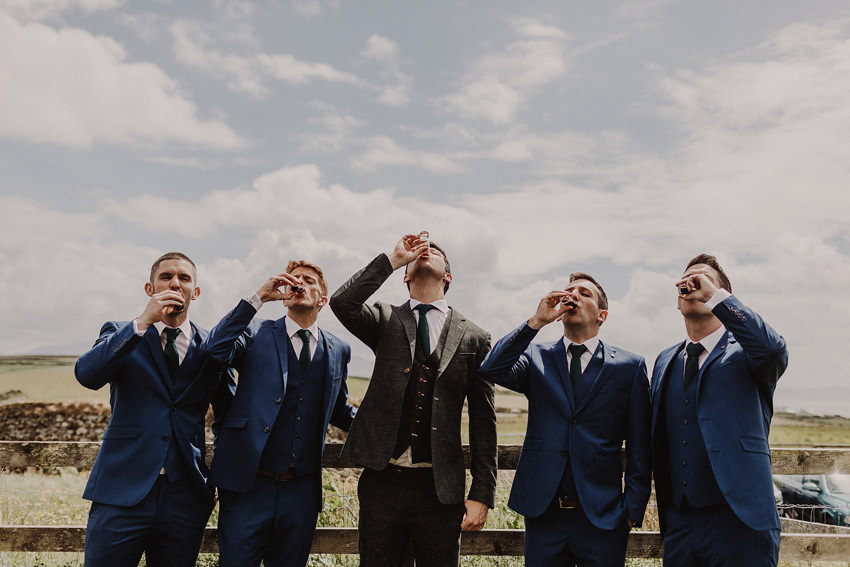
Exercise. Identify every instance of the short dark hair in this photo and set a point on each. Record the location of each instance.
(712, 262)
(172, 256)
(323, 284)
(603, 298)
(448, 266)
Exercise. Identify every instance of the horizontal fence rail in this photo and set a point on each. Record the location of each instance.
(642, 544)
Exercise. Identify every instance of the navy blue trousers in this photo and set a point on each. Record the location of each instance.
(568, 539)
(715, 537)
(273, 521)
(168, 526)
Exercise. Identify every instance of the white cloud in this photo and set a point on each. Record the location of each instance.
(384, 51)
(498, 84)
(72, 88)
(193, 44)
(40, 9)
(382, 151)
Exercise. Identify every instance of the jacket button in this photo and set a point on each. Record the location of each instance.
(684, 422)
(573, 422)
(407, 370)
(277, 400)
(266, 429)
(166, 437)
(565, 453)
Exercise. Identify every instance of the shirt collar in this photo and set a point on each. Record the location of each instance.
(185, 329)
(591, 344)
(709, 342)
(441, 304)
(292, 328)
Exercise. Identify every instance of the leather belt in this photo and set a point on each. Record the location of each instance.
(288, 475)
(565, 503)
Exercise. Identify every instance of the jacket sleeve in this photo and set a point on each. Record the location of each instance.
(98, 366)
(343, 412)
(507, 364)
(228, 341)
(349, 302)
(483, 440)
(638, 446)
(765, 349)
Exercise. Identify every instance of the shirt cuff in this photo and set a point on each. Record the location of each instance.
(718, 296)
(136, 328)
(255, 301)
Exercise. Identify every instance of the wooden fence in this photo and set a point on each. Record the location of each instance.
(642, 544)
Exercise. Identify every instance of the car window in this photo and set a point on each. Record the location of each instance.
(838, 483)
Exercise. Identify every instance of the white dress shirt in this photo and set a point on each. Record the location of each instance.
(436, 319)
(182, 342)
(591, 345)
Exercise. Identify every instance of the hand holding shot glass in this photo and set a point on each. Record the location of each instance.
(280, 288)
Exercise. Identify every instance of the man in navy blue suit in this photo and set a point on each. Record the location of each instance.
(267, 464)
(712, 402)
(585, 398)
(148, 485)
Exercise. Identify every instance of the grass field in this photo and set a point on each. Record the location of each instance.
(34, 498)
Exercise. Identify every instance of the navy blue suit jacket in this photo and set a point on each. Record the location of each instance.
(146, 412)
(734, 407)
(258, 350)
(590, 432)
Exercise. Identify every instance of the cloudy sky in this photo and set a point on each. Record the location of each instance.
(532, 139)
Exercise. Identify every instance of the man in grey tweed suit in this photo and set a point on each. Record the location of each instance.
(407, 431)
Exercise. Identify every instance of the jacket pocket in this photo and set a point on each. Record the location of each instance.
(122, 432)
(236, 422)
(754, 445)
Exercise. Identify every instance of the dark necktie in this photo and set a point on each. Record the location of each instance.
(575, 364)
(422, 334)
(172, 359)
(304, 357)
(692, 363)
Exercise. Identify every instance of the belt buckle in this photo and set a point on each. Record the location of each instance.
(566, 503)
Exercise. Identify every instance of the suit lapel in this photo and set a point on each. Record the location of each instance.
(155, 346)
(607, 362)
(281, 339)
(558, 357)
(405, 315)
(188, 361)
(330, 354)
(715, 353)
(456, 328)
(657, 385)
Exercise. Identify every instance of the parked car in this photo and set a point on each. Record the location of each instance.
(823, 498)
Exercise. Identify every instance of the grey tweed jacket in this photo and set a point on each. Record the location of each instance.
(390, 331)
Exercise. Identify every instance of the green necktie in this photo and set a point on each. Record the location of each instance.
(423, 336)
(692, 363)
(575, 364)
(172, 359)
(304, 357)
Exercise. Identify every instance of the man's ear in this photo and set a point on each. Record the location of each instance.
(196, 292)
(149, 289)
(323, 301)
(447, 278)
(406, 278)
(602, 316)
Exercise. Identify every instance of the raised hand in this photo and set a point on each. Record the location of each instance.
(551, 308)
(270, 291)
(697, 285)
(407, 250)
